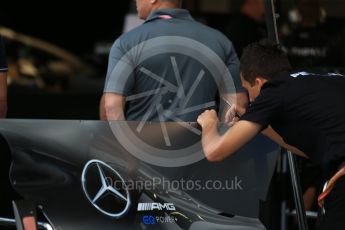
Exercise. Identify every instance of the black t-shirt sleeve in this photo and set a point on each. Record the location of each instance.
(265, 108)
(3, 64)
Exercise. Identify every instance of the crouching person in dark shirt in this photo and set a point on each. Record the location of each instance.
(300, 111)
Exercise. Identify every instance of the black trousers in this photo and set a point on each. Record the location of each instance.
(334, 217)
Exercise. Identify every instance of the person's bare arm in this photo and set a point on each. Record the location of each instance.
(240, 109)
(3, 94)
(236, 105)
(218, 147)
(242, 102)
(273, 135)
(112, 107)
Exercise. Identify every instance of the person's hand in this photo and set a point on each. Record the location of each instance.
(207, 119)
(233, 115)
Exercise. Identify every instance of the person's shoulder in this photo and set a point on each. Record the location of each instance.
(130, 38)
(279, 80)
(311, 75)
(133, 33)
(212, 31)
(212, 34)
(300, 78)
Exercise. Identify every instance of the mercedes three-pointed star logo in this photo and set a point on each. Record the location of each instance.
(103, 173)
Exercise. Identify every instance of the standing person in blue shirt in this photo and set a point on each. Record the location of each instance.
(165, 82)
(3, 80)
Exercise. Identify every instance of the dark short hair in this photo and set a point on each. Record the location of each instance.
(264, 59)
